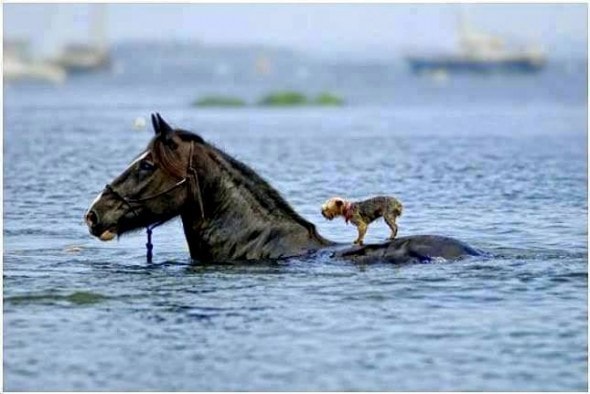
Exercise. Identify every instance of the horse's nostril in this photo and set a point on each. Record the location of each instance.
(91, 219)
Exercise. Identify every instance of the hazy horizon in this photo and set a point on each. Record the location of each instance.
(365, 30)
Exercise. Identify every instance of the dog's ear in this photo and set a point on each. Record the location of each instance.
(338, 203)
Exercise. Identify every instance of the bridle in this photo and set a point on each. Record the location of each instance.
(128, 200)
(191, 175)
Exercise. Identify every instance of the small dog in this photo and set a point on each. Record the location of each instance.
(362, 213)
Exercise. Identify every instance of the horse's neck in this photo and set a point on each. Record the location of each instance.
(239, 226)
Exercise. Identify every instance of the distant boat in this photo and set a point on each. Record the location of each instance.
(18, 65)
(480, 52)
(85, 57)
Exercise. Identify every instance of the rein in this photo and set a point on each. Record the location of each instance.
(191, 174)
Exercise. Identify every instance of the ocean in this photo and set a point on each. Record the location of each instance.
(497, 161)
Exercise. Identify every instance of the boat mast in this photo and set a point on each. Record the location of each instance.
(98, 26)
(463, 27)
(470, 41)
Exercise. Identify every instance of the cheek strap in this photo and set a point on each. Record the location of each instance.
(192, 174)
(196, 190)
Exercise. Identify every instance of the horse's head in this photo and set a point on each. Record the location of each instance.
(152, 189)
(228, 211)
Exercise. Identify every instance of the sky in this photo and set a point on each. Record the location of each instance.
(323, 29)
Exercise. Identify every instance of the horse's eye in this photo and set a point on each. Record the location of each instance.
(146, 165)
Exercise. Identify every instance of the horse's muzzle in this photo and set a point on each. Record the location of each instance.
(91, 219)
(93, 224)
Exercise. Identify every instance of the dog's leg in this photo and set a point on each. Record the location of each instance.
(362, 229)
(390, 220)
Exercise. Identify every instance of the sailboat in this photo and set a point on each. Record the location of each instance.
(84, 57)
(480, 52)
(18, 65)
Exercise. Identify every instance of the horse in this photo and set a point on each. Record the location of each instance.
(229, 213)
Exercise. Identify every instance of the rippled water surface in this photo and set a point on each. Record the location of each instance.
(498, 162)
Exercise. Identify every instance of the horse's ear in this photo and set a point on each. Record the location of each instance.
(165, 128)
(155, 124)
(161, 128)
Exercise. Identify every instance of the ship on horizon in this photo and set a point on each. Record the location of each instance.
(480, 52)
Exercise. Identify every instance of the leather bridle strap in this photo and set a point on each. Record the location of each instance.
(197, 192)
(191, 172)
(128, 200)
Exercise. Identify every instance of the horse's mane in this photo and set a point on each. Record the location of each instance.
(267, 196)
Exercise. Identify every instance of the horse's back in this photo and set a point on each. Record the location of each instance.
(409, 249)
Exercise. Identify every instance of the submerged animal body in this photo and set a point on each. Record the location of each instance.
(228, 212)
(363, 213)
(416, 248)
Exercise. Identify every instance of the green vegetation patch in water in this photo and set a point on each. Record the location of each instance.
(328, 99)
(283, 99)
(219, 101)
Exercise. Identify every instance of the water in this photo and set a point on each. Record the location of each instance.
(499, 162)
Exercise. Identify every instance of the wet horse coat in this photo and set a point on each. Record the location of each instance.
(228, 212)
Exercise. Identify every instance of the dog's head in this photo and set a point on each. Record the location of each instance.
(333, 207)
